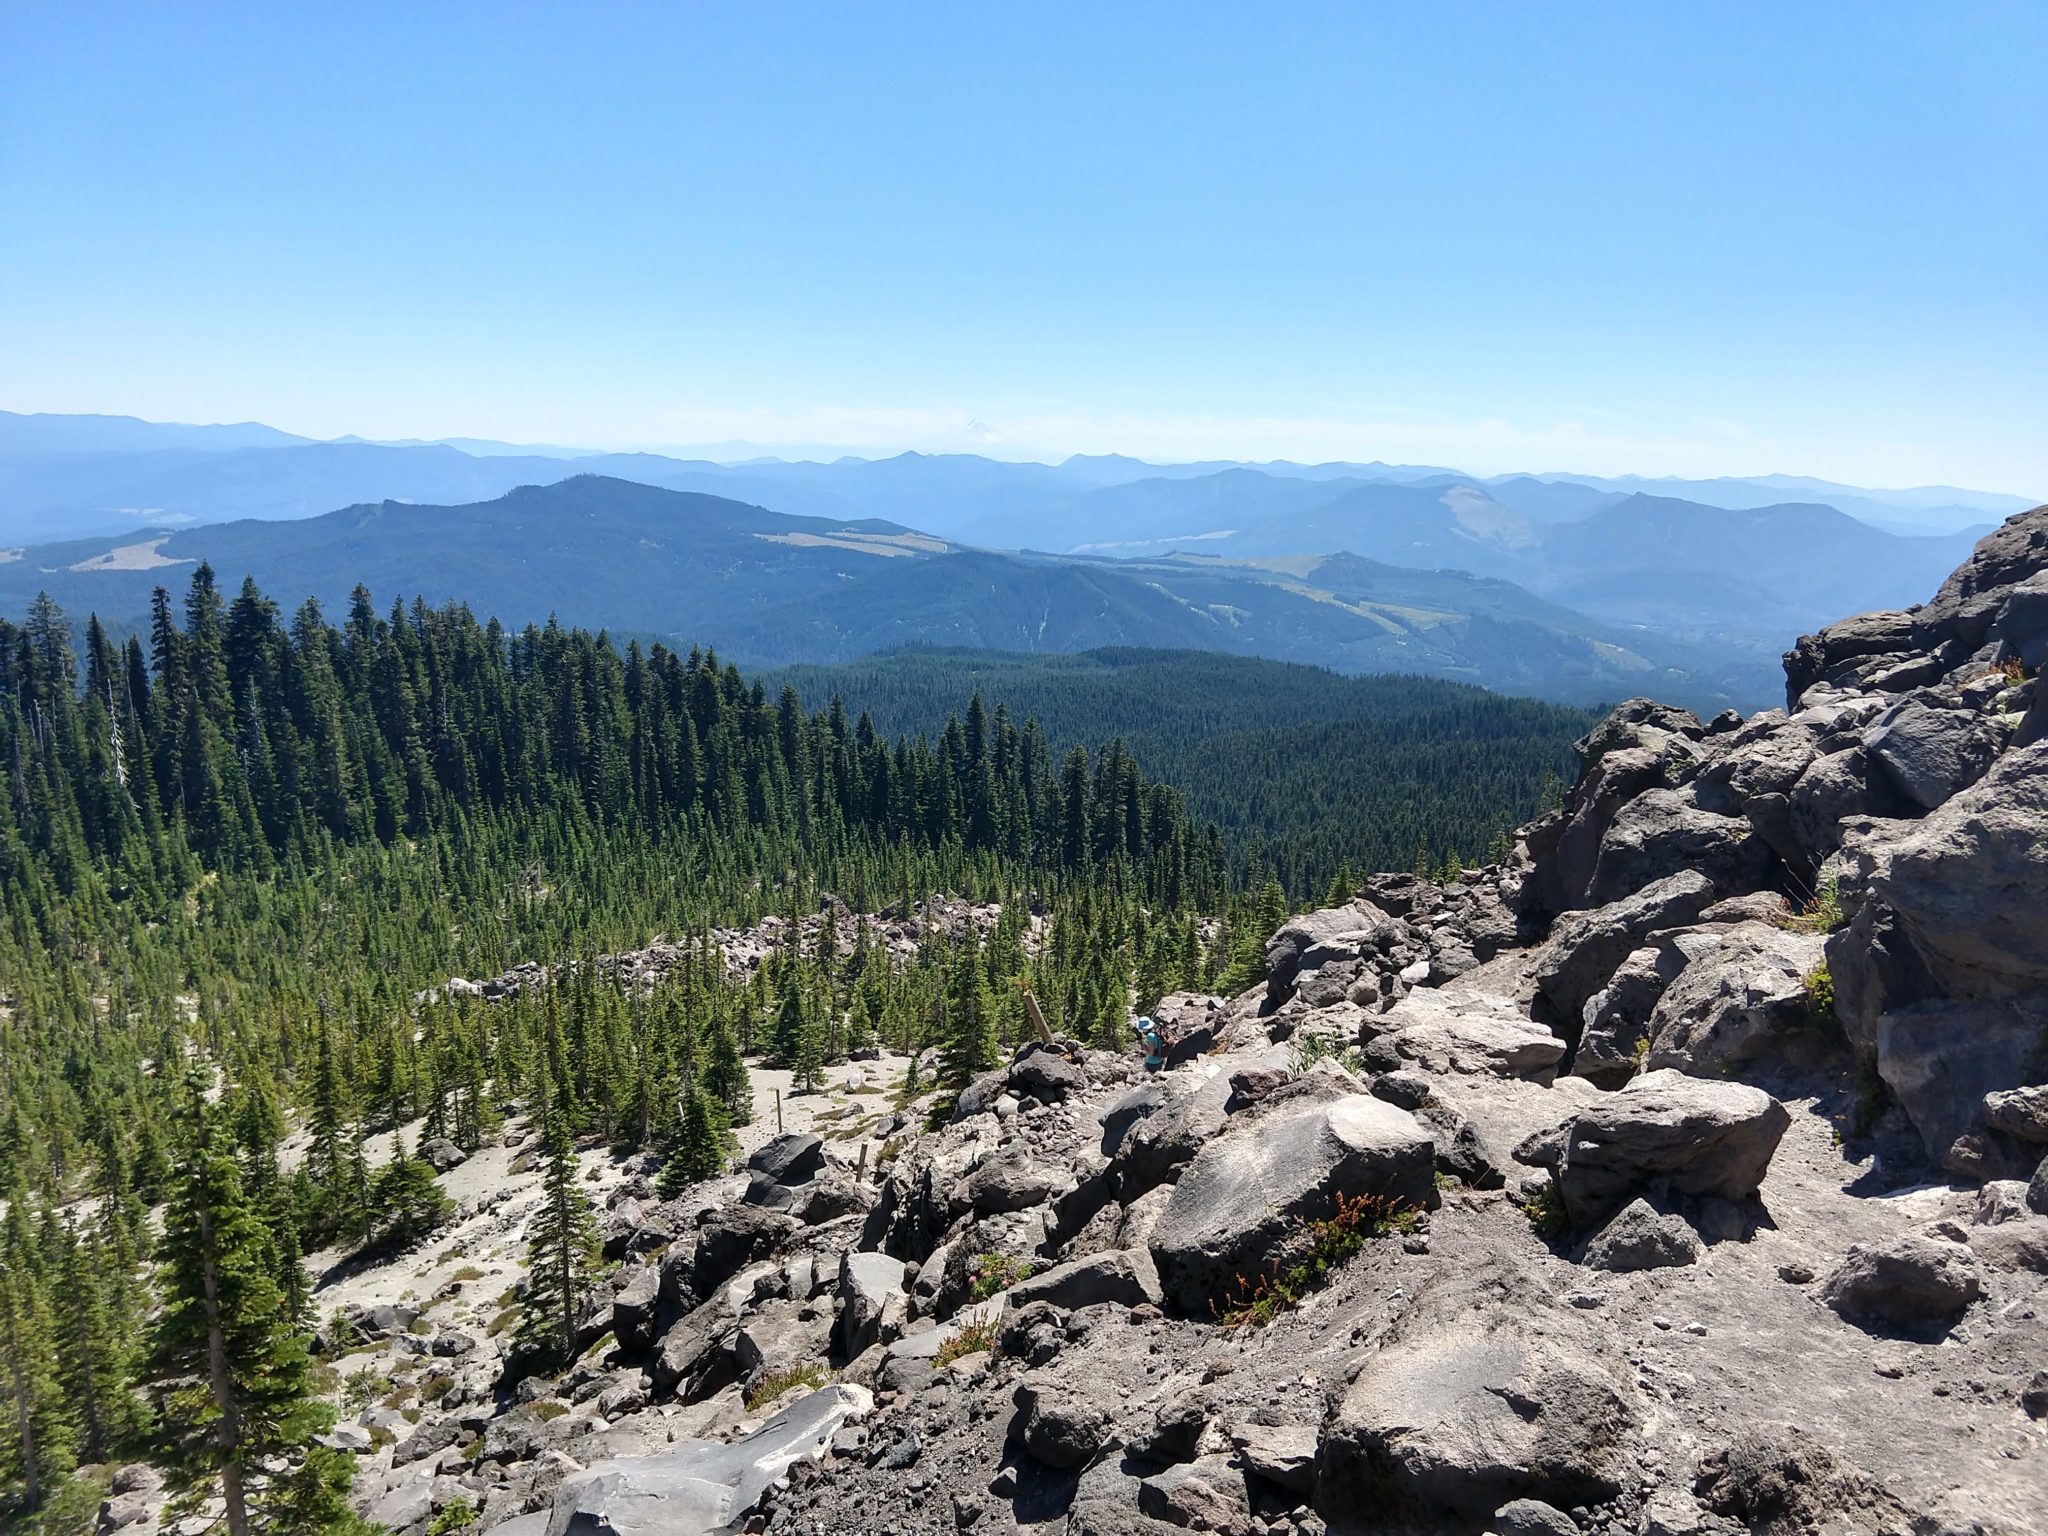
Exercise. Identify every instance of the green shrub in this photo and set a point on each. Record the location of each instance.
(994, 1273)
(972, 1339)
(458, 1515)
(1546, 1213)
(361, 1388)
(1820, 997)
(1311, 1048)
(1331, 1242)
(806, 1373)
(1824, 913)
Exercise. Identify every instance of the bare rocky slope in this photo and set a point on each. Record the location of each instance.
(1682, 1175)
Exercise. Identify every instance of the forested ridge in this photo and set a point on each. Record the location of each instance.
(239, 855)
(1306, 770)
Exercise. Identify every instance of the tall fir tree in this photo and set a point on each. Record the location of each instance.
(561, 1243)
(408, 1198)
(701, 1147)
(36, 1429)
(232, 1368)
(725, 1073)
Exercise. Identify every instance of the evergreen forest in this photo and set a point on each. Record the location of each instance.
(242, 854)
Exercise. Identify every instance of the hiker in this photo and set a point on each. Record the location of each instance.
(1154, 1041)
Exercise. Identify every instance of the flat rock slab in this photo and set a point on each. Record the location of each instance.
(1125, 1277)
(1444, 1427)
(697, 1486)
(1471, 1032)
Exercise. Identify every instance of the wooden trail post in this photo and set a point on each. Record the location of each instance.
(1031, 1011)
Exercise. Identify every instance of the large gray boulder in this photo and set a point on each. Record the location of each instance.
(1617, 1017)
(2037, 1189)
(1664, 831)
(1204, 1495)
(1158, 1145)
(1443, 1427)
(1931, 754)
(779, 1336)
(2021, 1112)
(1241, 1208)
(794, 1158)
(733, 1237)
(866, 1282)
(1123, 1276)
(1335, 932)
(1642, 1237)
(1479, 1122)
(1470, 1032)
(1739, 991)
(1970, 882)
(634, 1306)
(1003, 1181)
(1642, 746)
(1910, 1282)
(1061, 1423)
(1839, 652)
(695, 1356)
(1941, 1057)
(700, 1486)
(1664, 1132)
(1838, 785)
(1941, 979)
(1046, 1074)
(1532, 1517)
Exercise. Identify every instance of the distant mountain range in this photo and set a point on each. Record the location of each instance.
(1571, 587)
(73, 476)
(766, 587)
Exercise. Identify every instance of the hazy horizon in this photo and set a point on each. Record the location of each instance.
(1597, 240)
(732, 454)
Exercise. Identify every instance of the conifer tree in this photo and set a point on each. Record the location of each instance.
(232, 1367)
(92, 1355)
(561, 1243)
(408, 1198)
(312, 1499)
(35, 1428)
(968, 1046)
(328, 1156)
(701, 1144)
(725, 1073)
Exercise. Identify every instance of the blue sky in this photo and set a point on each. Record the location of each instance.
(1633, 238)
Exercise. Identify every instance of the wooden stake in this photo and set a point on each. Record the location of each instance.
(1031, 1012)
